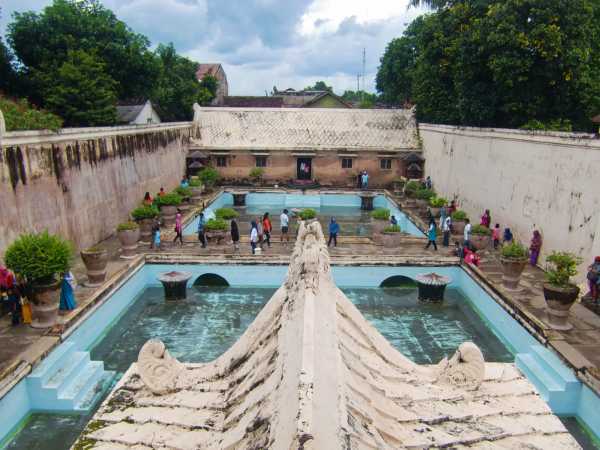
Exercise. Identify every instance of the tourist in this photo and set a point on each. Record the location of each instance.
(235, 235)
(486, 219)
(452, 208)
(284, 221)
(201, 232)
(155, 229)
(535, 247)
(148, 200)
(467, 234)
(259, 230)
(267, 228)
(162, 192)
(365, 179)
(156, 239)
(459, 251)
(496, 236)
(593, 277)
(429, 215)
(334, 229)
(67, 296)
(393, 221)
(443, 214)
(508, 236)
(446, 230)
(184, 182)
(253, 237)
(432, 234)
(470, 257)
(178, 228)
(10, 293)
(359, 180)
(428, 183)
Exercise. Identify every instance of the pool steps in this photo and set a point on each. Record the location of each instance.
(68, 380)
(556, 384)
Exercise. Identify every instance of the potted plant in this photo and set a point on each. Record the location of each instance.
(95, 259)
(307, 214)
(209, 177)
(226, 213)
(513, 258)
(128, 234)
(168, 204)
(423, 196)
(435, 204)
(481, 236)
(41, 259)
(391, 236)
(216, 229)
(458, 221)
(256, 175)
(380, 218)
(398, 184)
(144, 216)
(186, 195)
(559, 292)
(196, 188)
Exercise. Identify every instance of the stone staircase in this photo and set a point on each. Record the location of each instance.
(556, 384)
(68, 380)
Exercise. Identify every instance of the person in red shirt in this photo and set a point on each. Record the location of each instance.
(9, 288)
(471, 257)
(267, 228)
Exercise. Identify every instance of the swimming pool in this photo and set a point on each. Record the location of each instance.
(344, 207)
(205, 325)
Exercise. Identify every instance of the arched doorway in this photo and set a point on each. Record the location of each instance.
(397, 281)
(211, 279)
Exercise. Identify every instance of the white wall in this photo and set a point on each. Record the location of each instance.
(548, 181)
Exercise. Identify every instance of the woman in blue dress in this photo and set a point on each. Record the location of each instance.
(67, 296)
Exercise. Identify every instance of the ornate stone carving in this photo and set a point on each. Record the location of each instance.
(158, 369)
(465, 369)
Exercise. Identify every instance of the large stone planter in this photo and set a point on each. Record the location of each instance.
(168, 214)
(184, 208)
(435, 212)
(481, 241)
(145, 230)
(196, 194)
(512, 268)
(390, 240)
(95, 264)
(216, 237)
(422, 204)
(559, 301)
(128, 240)
(410, 202)
(377, 227)
(44, 307)
(458, 226)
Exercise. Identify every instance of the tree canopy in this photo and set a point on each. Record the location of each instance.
(319, 86)
(510, 63)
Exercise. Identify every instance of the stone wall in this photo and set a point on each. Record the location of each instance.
(80, 183)
(548, 181)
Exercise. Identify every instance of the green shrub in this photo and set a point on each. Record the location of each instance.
(257, 173)
(195, 182)
(307, 214)
(459, 215)
(39, 257)
(184, 192)
(561, 267)
(481, 230)
(392, 229)
(226, 213)
(412, 187)
(20, 115)
(216, 225)
(127, 226)
(437, 202)
(514, 250)
(171, 199)
(425, 194)
(381, 214)
(208, 176)
(144, 212)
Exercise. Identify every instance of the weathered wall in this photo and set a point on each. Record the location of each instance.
(80, 183)
(548, 181)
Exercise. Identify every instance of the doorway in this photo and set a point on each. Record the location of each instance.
(304, 168)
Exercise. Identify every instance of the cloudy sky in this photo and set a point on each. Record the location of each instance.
(266, 43)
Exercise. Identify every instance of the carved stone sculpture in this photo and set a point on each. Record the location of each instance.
(465, 369)
(158, 369)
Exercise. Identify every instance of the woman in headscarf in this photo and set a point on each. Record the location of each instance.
(178, 228)
(593, 277)
(267, 228)
(486, 219)
(253, 236)
(148, 200)
(432, 234)
(67, 296)
(8, 288)
(235, 235)
(508, 236)
(334, 229)
(535, 247)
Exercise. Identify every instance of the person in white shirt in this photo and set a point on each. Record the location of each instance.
(446, 228)
(467, 234)
(284, 219)
(253, 237)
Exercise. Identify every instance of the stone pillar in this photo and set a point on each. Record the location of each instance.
(432, 286)
(239, 198)
(366, 201)
(175, 284)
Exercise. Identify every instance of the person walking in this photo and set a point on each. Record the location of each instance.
(235, 235)
(467, 234)
(365, 180)
(446, 230)
(334, 229)
(67, 296)
(178, 228)
(428, 182)
(148, 200)
(253, 236)
(496, 236)
(535, 247)
(156, 239)
(201, 232)
(432, 234)
(259, 228)
(284, 221)
(155, 229)
(443, 214)
(593, 277)
(267, 228)
(508, 236)
(486, 219)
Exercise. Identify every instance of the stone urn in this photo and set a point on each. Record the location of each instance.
(44, 307)
(128, 240)
(185, 208)
(422, 204)
(168, 213)
(435, 211)
(377, 226)
(481, 241)
(95, 260)
(217, 236)
(145, 229)
(410, 202)
(458, 226)
(390, 240)
(512, 268)
(559, 301)
(175, 284)
(431, 286)
(196, 194)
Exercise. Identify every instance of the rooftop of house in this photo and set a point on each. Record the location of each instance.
(127, 113)
(207, 69)
(252, 102)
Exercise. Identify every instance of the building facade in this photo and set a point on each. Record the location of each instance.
(327, 146)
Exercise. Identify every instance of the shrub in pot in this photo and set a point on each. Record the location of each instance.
(128, 234)
(216, 229)
(256, 175)
(481, 236)
(423, 196)
(307, 214)
(458, 221)
(144, 216)
(226, 213)
(513, 258)
(209, 177)
(41, 259)
(391, 236)
(186, 195)
(559, 292)
(168, 204)
(95, 259)
(380, 219)
(435, 204)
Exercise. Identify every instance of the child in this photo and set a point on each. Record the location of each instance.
(496, 236)
(157, 239)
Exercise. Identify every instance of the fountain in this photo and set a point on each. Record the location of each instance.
(175, 284)
(432, 286)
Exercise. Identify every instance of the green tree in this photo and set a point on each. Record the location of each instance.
(363, 99)
(80, 90)
(319, 86)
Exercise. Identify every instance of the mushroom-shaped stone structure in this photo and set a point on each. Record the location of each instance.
(175, 284)
(366, 201)
(239, 198)
(432, 286)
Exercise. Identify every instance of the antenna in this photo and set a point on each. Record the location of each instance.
(357, 83)
(364, 58)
